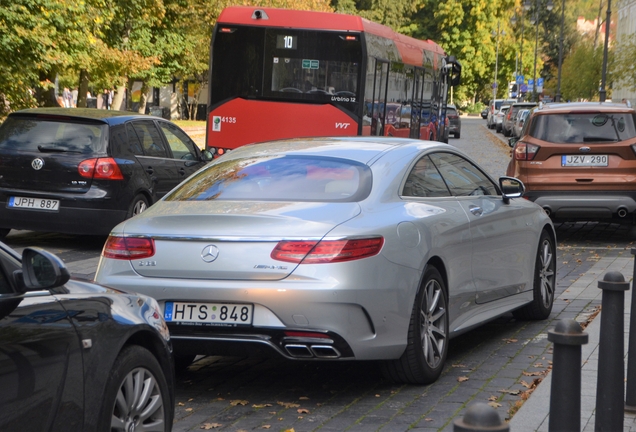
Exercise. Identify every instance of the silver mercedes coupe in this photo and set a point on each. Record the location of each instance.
(337, 249)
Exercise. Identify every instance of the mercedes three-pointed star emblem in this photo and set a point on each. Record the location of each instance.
(209, 253)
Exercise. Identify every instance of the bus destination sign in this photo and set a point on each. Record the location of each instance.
(286, 42)
(310, 64)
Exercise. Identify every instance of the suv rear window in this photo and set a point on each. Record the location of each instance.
(578, 128)
(289, 178)
(36, 134)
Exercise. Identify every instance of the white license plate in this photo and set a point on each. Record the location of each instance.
(34, 203)
(584, 160)
(209, 313)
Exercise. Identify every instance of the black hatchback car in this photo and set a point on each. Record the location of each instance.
(82, 171)
(76, 356)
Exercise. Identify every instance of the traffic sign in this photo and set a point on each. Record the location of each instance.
(520, 79)
(539, 85)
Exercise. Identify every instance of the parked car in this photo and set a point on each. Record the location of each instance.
(76, 356)
(454, 121)
(508, 121)
(484, 113)
(519, 121)
(349, 248)
(82, 171)
(500, 116)
(494, 106)
(578, 160)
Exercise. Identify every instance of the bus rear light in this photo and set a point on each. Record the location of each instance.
(128, 248)
(227, 30)
(100, 168)
(524, 151)
(327, 251)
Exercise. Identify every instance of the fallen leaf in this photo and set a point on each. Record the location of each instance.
(510, 392)
(493, 398)
(288, 404)
(303, 411)
(461, 379)
(428, 419)
(273, 412)
(459, 366)
(261, 405)
(181, 404)
(303, 398)
(266, 426)
(494, 404)
(190, 400)
(377, 395)
(510, 340)
(290, 430)
(188, 409)
(208, 426)
(238, 402)
(539, 373)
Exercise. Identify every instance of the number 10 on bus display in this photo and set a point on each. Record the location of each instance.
(286, 42)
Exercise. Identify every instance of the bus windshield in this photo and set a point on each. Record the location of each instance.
(295, 65)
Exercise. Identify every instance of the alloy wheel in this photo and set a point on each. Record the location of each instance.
(546, 272)
(139, 404)
(433, 330)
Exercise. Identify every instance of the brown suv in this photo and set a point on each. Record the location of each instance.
(578, 160)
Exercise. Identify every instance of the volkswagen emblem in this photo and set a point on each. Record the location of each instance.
(37, 164)
(209, 253)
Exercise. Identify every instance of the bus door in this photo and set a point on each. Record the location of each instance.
(377, 111)
(416, 111)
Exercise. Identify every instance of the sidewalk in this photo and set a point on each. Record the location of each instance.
(534, 413)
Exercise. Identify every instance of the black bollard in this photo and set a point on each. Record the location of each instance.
(610, 386)
(480, 417)
(565, 391)
(630, 392)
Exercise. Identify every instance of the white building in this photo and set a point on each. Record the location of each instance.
(626, 26)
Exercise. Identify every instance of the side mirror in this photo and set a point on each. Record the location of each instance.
(41, 270)
(512, 141)
(207, 156)
(511, 188)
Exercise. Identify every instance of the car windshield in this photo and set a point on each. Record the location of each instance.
(50, 136)
(278, 178)
(578, 128)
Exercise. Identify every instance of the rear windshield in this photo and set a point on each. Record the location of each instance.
(288, 178)
(29, 134)
(580, 128)
(451, 111)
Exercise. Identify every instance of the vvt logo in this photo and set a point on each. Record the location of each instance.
(342, 125)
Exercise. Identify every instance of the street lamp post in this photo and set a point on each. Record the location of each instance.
(549, 7)
(557, 96)
(603, 93)
(496, 84)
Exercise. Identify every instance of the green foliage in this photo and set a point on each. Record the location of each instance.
(581, 73)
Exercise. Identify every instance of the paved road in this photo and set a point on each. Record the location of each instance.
(496, 363)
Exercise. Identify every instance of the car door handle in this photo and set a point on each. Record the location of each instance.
(150, 170)
(476, 210)
(182, 171)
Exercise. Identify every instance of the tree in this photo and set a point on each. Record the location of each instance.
(581, 72)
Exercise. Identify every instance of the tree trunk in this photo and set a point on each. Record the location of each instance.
(143, 99)
(119, 97)
(83, 89)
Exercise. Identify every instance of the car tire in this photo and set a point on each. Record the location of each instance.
(544, 282)
(457, 135)
(4, 232)
(138, 205)
(181, 362)
(149, 407)
(427, 341)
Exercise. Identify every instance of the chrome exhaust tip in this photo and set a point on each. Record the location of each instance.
(325, 351)
(299, 351)
(622, 212)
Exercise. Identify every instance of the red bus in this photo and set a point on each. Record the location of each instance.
(277, 73)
